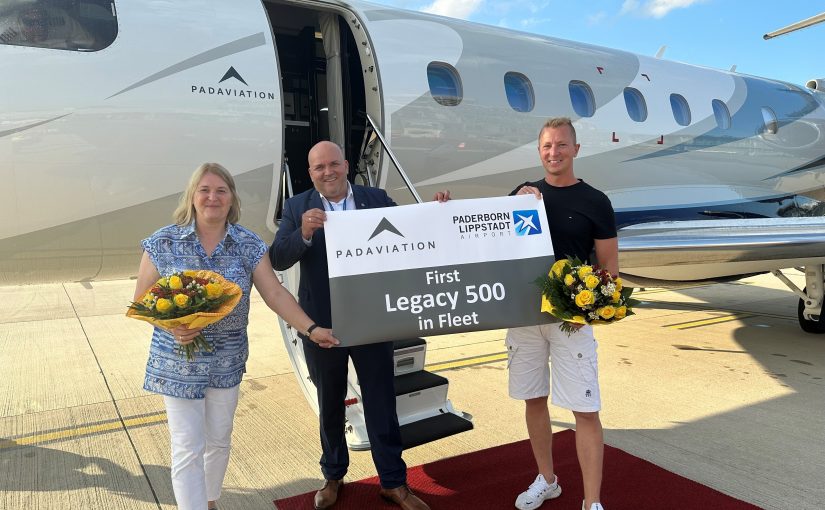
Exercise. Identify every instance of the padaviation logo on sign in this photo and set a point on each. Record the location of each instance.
(385, 225)
(436, 268)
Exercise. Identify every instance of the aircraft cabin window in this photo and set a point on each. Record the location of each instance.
(769, 118)
(82, 25)
(581, 96)
(445, 84)
(519, 92)
(635, 102)
(681, 110)
(722, 114)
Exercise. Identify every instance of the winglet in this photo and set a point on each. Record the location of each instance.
(661, 51)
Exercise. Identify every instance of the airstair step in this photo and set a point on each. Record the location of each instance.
(409, 355)
(407, 343)
(429, 429)
(417, 381)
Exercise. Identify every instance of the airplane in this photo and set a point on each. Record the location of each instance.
(713, 174)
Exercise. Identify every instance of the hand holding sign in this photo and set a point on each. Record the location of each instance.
(311, 221)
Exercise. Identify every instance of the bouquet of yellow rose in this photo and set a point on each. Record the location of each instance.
(578, 293)
(194, 298)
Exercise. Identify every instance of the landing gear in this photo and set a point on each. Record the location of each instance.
(809, 325)
(811, 299)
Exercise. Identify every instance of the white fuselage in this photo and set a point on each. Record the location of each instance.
(96, 146)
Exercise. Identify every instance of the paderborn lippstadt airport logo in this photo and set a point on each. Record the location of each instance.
(494, 224)
(527, 222)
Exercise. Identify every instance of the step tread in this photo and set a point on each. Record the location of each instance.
(417, 381)
(429, 429)
(407, 343)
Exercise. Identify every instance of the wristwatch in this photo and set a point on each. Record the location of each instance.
(310, 329)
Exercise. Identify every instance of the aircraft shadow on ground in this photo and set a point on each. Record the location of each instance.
(773, 445)
(707, 297)
(37, 469)
(42, 469)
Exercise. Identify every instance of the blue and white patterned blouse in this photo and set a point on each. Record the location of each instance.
(175, 248)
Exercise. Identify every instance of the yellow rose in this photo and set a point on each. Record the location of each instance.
(558, 266)
(578, 319)
(616, 297)
(213, 290)
(164, 305)
(591, 282)
(618, 283)
(584, 298)
(569, 279)
(606, 312)
(181, 300)
(175, 283)
(546, 306)
(621, 311)
(584, 271)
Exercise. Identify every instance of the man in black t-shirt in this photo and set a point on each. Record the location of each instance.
(581, 220)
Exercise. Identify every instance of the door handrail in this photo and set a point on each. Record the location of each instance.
(394, 160)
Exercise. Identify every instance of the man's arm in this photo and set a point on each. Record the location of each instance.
(607, 254)
(288, 246)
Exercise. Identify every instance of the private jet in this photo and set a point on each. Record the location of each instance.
(108, 106)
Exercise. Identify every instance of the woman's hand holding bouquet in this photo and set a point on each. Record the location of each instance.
(185, 303)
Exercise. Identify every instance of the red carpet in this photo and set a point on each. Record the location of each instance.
(491, 479)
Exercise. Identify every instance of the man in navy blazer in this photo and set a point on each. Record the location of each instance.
(300, 238)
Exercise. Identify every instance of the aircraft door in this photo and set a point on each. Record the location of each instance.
(322, 78)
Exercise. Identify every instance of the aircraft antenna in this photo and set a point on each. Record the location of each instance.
(661, 51)
(813, 20)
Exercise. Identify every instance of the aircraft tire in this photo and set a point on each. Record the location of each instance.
(809, 326)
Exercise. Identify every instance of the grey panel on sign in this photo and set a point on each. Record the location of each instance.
(394, 305)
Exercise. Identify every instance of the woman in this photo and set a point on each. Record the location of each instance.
(201, 395)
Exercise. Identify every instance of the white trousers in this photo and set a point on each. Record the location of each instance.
(201, 433)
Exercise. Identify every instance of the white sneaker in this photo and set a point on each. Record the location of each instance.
(594, 506)
(538, 492)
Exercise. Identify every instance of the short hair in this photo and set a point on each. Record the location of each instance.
(185, 212)
(557, 122)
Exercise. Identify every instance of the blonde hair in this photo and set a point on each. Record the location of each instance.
(185, 212)
(557, 122)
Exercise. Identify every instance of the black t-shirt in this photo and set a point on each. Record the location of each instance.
(577, 214)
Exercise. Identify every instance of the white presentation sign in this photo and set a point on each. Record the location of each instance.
(436, 268)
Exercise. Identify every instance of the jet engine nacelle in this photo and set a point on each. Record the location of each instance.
(816, 84)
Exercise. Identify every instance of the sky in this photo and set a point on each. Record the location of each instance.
(711, 33)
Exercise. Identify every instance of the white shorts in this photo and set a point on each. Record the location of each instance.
(573, 363)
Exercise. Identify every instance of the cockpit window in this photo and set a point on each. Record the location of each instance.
(445, 83)
(82, 25)
(519, 92)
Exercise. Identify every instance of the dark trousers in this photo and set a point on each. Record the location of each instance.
(374, 367)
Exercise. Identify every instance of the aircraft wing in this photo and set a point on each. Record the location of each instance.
(718, 249)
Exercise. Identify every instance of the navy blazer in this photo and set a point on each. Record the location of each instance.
(289, 248)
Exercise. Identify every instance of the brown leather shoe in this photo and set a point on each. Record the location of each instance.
(403, 497)
(328, 495)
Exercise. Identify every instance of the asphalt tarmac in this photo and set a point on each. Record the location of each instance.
(715, 382)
